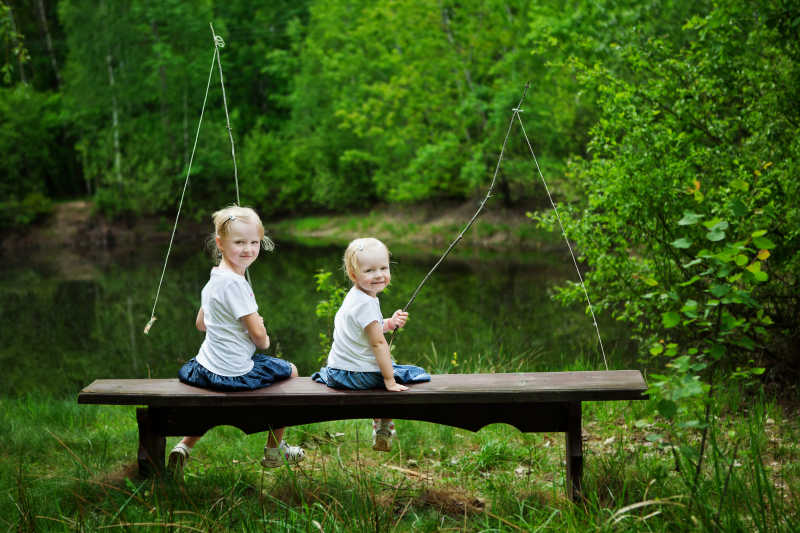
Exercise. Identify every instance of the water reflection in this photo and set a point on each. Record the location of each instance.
(59, 334)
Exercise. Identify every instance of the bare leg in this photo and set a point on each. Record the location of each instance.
(382, 434)
(276, 435)
(189, 442)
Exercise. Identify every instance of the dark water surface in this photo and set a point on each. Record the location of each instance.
(70, 318)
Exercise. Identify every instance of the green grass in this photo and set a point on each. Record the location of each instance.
(69, 467)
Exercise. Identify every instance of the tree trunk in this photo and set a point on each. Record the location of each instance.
(16, 45)
(114, 122)
(185, 128)
(48, 41)
(162, 76)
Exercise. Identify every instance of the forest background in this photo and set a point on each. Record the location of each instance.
(669, 132)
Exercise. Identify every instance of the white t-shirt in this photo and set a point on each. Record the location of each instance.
(227, 349)
(351, 349)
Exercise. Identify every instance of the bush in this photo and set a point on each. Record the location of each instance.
(15, 213)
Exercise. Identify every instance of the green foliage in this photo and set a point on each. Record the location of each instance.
(326, 309)
(687, 213)
(12, 42)
(32, 207)
(31, 132)
(333, 104)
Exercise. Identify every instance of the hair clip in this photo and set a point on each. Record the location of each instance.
(230, 217)
(360, 247)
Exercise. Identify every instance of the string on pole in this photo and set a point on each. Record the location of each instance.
(564, 233)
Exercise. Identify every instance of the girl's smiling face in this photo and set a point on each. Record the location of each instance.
(373, 273)
(240, 246)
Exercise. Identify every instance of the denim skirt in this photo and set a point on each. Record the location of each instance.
(349, 379)
(266, 371)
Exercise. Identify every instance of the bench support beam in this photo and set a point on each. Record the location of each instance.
(156, 423)
(152, 443)
(574, 449)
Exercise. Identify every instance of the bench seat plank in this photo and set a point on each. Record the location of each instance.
(442, 389)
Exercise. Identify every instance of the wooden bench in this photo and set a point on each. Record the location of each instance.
(531, 402)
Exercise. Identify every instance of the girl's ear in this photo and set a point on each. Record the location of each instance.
(218, 241)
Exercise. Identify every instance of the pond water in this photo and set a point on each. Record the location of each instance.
(65, 321)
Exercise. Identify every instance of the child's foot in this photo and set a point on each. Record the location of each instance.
(382, 435)
(284, 453)
(177, 460)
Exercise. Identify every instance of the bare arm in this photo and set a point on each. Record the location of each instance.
(254, 324)
(381, 350)
(200, 321)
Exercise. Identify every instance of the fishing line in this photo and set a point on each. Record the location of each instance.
(218, 43)
(515, 113)
(564, 233)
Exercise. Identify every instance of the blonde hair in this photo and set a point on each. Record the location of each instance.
(225, 216)
(357, 246)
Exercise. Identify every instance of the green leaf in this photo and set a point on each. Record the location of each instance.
(738, 208)
(667, 408)
(689, 218)
(715, 235)
(657, 348)
(763, 243)
(759, 233)
(685, 283)
(740, 184)
(741, 259)
(720, 290)
(670, 319)
(690, 308)
(717, 351)
(726, 255)
(683, 242)
(722, 225)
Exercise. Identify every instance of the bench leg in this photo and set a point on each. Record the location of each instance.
(152, 445)
(574, 452)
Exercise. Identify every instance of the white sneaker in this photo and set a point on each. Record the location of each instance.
(382, 435)
(284, 453)
(177, 460)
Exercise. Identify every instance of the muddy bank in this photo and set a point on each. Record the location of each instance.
(73, 241)
(74, 234)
